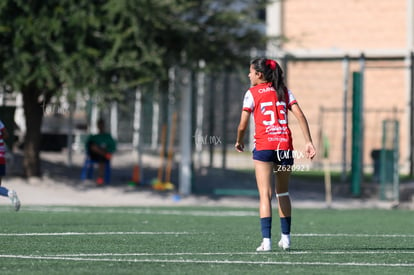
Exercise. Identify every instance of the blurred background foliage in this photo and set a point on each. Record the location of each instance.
(112, 46)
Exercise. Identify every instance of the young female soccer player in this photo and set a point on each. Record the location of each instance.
(269, 100)
(3, 190)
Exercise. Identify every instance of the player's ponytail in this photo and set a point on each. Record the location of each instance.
(272, 72)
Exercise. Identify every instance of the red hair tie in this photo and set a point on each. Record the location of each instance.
(271, 63)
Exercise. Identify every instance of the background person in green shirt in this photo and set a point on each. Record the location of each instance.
(100, 148)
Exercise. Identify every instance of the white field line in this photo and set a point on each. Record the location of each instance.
(189, 233)
(385, 252)
(208, 213)
(190, 261)
(355, 235)
(94, 233)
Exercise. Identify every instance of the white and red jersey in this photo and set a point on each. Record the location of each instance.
(270, 116)
(2, 144)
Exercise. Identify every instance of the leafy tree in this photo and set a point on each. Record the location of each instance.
(109, 46)
(133, 57)
(42, 44)
(48, 45)
(221, 32)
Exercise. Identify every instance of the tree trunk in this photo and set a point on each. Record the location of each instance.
(33, 111)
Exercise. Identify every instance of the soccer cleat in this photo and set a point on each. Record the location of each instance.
(14, 200)
(284, 242)
(264, 247)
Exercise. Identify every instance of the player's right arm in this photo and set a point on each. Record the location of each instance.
(241, 130)
(248, 106)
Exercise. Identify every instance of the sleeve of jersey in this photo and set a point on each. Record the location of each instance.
(291, 99)
(248, 102)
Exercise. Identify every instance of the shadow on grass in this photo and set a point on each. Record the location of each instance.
(213, 182)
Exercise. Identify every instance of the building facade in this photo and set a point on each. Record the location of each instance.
(323, 43)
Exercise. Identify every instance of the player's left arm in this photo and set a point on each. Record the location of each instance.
(303, 122)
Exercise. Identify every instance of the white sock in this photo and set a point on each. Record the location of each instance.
(286, 237)
(267, 241)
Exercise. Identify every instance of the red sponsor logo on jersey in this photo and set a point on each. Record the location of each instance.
(276, 130)
(265, 90)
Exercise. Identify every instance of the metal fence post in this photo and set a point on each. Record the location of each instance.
(356, 134)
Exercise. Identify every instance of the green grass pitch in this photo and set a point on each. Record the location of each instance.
(202, 240)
